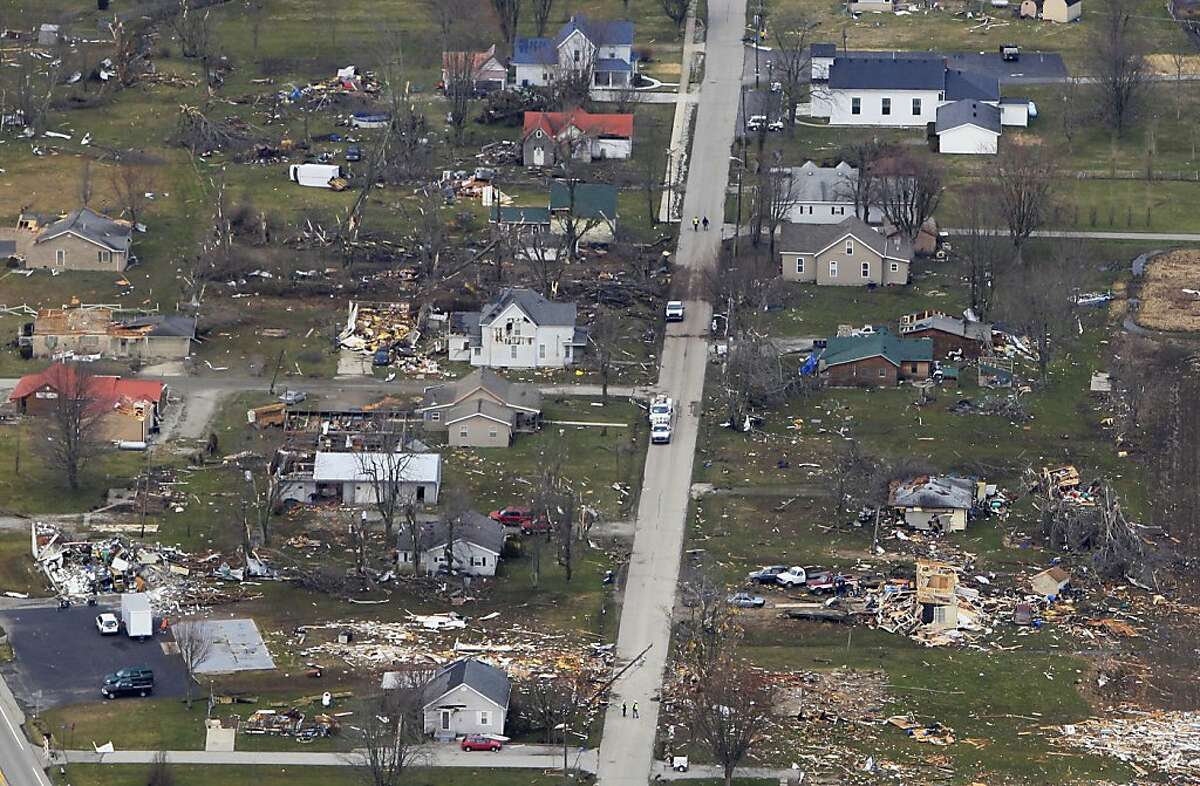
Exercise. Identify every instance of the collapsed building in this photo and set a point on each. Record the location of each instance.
(107, 332)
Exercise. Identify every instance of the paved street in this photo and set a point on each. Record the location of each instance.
(626, 749)
(19, 764)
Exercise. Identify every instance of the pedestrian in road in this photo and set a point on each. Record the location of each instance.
(623, 709)
(695, 223)
(705, 222)
(635, 709)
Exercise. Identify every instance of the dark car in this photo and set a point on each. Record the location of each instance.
(512, 516)
(354, 153)
(126, 682)
(478, 742)
(766, 575)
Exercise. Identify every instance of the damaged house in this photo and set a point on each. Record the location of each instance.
(132, 407)
(98, 330)
(470, 545)
(81, 240)
(519, 329)
(466, 697)
(481, 410)
(351, 478)
(951, 335)
(581, 135)
(937, 503)
(878, 360)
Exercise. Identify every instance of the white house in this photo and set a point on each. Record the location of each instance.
(605, 48)
(1014, 112)
(466, 697)
(824, 194)
(348, 477)
(520, 329)
(469, 545)
(968, 128)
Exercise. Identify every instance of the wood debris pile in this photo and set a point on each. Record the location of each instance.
(1168, 742)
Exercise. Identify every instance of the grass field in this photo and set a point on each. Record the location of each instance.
(265, 775)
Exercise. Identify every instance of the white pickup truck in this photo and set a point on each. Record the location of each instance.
(662, 417)
(794, 576)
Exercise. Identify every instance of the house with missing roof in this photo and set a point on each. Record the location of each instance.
(937, 503)
(519, 329)
(550, 136)
(470, 544)
(351, 477)
(825, 194)
(603, 48)
(950, 335)
(481, 410)
(126, 410)
(850, 253)
(81, 240)
(585, 211)
(878, 360)
(465, 697)
(60, 333)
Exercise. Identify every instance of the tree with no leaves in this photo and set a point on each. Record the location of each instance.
(160, 772)
(392, 733)
(753, 379)
(793, 64)
(861, 188)
(386, 471)
(553, 704)
(728, 708)
(1023, 178)
(542, 9)
(1118, 61)
(459, 88)
(73, 427)
(558, 503)
(980, 247)
(1036, 300)
(195, 644)
(676, 10)
(130, 183)
(605, 336)
(910, 190)
(508, 12)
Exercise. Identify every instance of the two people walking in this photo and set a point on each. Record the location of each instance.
(625, 708)
(696, 222)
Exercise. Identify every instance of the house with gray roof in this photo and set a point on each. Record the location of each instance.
(825, 194)
(519, 329)
(483, 409)
(968, 127)
(849, 253)
(939, 503)
(603, 48)
(466, 697)
(951, 335)
(470, 544)
(81, 240)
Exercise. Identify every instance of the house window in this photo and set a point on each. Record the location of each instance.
(800, 265)
(916, 107)
(478, 350)
(882, 373)
(445, 720)
(885, 106)
(485, 718)
(404, 556)
(856, 106)
(866, 269)
(578, 55)
(513, 351)
(542, 350)
(104, 257)
(463, 432)
(849, 247)
(492, 432)
(435, 416)
(60, 257)
(833, 268)
(895, 267)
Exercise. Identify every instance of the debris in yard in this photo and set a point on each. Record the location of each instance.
(1168, 742)
(934, 733)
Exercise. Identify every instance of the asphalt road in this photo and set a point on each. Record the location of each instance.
(626, 750)
(19, 763)
(61, 659)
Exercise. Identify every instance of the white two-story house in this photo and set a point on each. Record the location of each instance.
(825, 194)
(520, 329)
(603, 48)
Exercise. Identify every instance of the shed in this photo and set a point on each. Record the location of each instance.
(1050, 582)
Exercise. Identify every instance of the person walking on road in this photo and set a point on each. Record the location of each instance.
(695, 223)
(635, 709)
(623, 709)
(705, 222)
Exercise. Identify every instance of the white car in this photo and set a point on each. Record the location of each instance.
(661, 410)
(674, 310)
(108, 624)
(660, 433)
(293, 397)
(794, 576)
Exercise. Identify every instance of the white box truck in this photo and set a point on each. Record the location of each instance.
(136, 615)
(314, 175)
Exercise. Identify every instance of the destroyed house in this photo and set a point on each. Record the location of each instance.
(935, 503)
(81, 240)
(128, 410)
(519, 329)
(950, 335)
(879, 360)
(97, 330)
(352, 478)
(466, 697)
(588, 211)
(469, 545)
(481, 410)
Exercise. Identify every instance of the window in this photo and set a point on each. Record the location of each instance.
(800, 265)
(916, 107)
(849, 247)
(478, 350)
(578, 55)
(435, 416)
(895, 267)
(513, 351)
(464, 432)
(60, 257)
(833, 268)
(485, 718)
(541, 350)
(866, 269)
(882, 373)
(856, 106)
(885, 106)
(104, 257)
(445, 720)
(492, 432)
(404, 556)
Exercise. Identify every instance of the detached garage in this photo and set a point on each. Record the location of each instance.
(968, 128)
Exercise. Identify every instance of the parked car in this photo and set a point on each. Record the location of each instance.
(108, 624)
(137, 680)
(674, 311)
(744, 600)
(512, 516)
(828, 582)
(290, 397)
(536, 526)
(794, 576)
(354, 153)
(478, 742)
(766, 575)
(660, 433)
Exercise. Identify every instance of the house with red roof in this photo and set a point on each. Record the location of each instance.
(548, 136)
(131, 407)
(488, 73)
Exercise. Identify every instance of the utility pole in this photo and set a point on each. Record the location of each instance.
(275, 376)
(758, 20)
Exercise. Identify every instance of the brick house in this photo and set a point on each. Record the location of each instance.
(880, 360)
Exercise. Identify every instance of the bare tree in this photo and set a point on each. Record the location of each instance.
(647, 171)
(432, 233)
(860, 188)
(776, 195)
(33, 89)
(793, 64)
(1023, 178)
(85, 182)
(129, 55)
(1072, 99)
(160, 772)
(508, 12)
(392, 731)
(195, 644)
(542, 9)
(130, 183)
(569, 220)
(605, 336)
(386, 471)
(74, 421)
(256, 11)
(194, 28)
(1036, 300)
(980, 247)
(542, 254)
(740, 286)
(729, 710)
(460, 87)
(1118, 62)
(558, 503)
(910, 190)
(571, 87)
(554, 704)
(753, 379)
(1180, 60)
(676, 10)
(264, 496)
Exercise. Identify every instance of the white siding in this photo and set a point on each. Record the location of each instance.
(968, 140)
(611, 148)
(463, 705)
(841, 102)
(468, 558)
(520, 347)
(1014, 114)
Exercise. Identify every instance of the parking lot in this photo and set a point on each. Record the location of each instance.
(62, 659)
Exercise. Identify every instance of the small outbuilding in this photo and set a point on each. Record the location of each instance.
(968, 127)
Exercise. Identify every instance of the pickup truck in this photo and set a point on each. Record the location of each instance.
(794, 576)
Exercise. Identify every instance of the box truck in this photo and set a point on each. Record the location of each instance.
(136, 615)
(314, 175)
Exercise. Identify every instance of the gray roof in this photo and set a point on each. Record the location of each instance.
(516, 394)
(971, 84)
(888, 71)
(465, 323)
(540, 310)
(472, 527)
(822, 50)
(501, 413)
(925, 491)
(976, 331)
(813, 238)
(488, 680)
(8, 248)
(91, 225)
(812, 183)
(164, 325)
(961, 113)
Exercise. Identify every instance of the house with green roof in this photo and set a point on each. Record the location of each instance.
(878, 360)
(588, 211)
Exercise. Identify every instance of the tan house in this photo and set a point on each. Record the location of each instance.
(1061, 11)
(481, 410)
(81, 240)
(65, 332)
(850, 253)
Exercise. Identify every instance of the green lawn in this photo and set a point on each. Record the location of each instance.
(270, 775)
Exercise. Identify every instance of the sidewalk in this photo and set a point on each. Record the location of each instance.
(677, 154)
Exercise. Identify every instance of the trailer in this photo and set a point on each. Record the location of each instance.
(315, 175)
(136, 615)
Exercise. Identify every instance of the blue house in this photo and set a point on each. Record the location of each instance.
(603, 48)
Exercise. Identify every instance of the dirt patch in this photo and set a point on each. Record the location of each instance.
(1170, 294)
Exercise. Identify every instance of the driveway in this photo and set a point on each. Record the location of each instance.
(61, 659)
